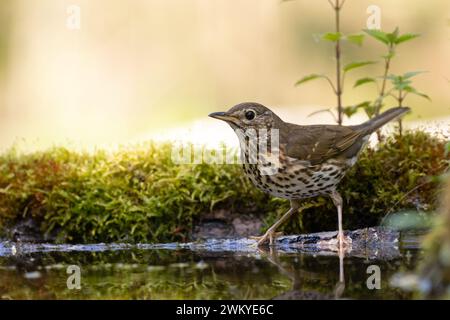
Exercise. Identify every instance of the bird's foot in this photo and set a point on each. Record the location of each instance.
(340, 243)
(344, 244)
(268, 236)
(346, 241)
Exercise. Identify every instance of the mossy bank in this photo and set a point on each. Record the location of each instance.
(140, 195)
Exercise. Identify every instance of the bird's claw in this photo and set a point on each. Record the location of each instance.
(340, 243)
(269, 235)
(345, 241)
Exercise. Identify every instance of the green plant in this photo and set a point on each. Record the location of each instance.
(135, 194)
(401, 85)
(336, 38)
(401, 88)
(391, 41)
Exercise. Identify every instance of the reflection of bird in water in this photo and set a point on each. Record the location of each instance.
(298, 276)
(435, 272)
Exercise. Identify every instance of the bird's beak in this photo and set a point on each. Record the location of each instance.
(222, 116)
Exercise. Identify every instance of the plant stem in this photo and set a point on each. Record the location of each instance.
(400, 98)
(379, 101)
(387, 66)
(337, 9)
(400, 104)
(400, 127)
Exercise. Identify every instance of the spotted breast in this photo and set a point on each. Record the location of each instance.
(294, 179)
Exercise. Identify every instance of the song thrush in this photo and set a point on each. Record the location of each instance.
(312, 159)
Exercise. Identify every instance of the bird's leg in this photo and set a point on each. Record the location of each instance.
(343, 242)
(271, 234)
(340, 286)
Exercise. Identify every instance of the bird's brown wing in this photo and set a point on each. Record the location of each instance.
(317, 144)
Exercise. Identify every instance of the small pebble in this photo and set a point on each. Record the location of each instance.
(179, 265)
(155, 268)
(32, 275)
(201, 265)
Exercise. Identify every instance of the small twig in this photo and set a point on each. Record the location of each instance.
(320, 111)
(393, 96)
(331, 84)
(387, 66)
(338, 63)
(441, 167)
(404, 196)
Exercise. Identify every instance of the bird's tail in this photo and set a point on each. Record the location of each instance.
(376, 123)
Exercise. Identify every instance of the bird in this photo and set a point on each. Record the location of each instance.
(310, 160)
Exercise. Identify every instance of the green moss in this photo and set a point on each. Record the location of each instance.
(140, 195)
(130, 195)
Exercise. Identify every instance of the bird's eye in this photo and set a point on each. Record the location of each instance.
(250, 115)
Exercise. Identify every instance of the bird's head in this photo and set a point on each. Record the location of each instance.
(249, 115)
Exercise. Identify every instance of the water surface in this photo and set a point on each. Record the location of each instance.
(173, 271)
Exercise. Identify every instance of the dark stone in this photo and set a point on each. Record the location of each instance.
(211, 229)
(372, 243)
(28, 230)
(223, 224)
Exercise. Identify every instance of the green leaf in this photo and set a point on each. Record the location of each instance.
(399, 82)
(357, 39)
(378, 35)
(417, 93)
(393, 36)
(332, 36)
(354, 65)
(411, 74)
(351, 110)
(310, 78)
(392, 77)
(370, 110)
(406, 37)
(362, 81)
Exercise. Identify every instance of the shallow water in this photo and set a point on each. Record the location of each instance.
(201, 271)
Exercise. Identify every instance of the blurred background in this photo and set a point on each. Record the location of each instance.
(146, 68)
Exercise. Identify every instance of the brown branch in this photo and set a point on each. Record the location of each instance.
(338, 64)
